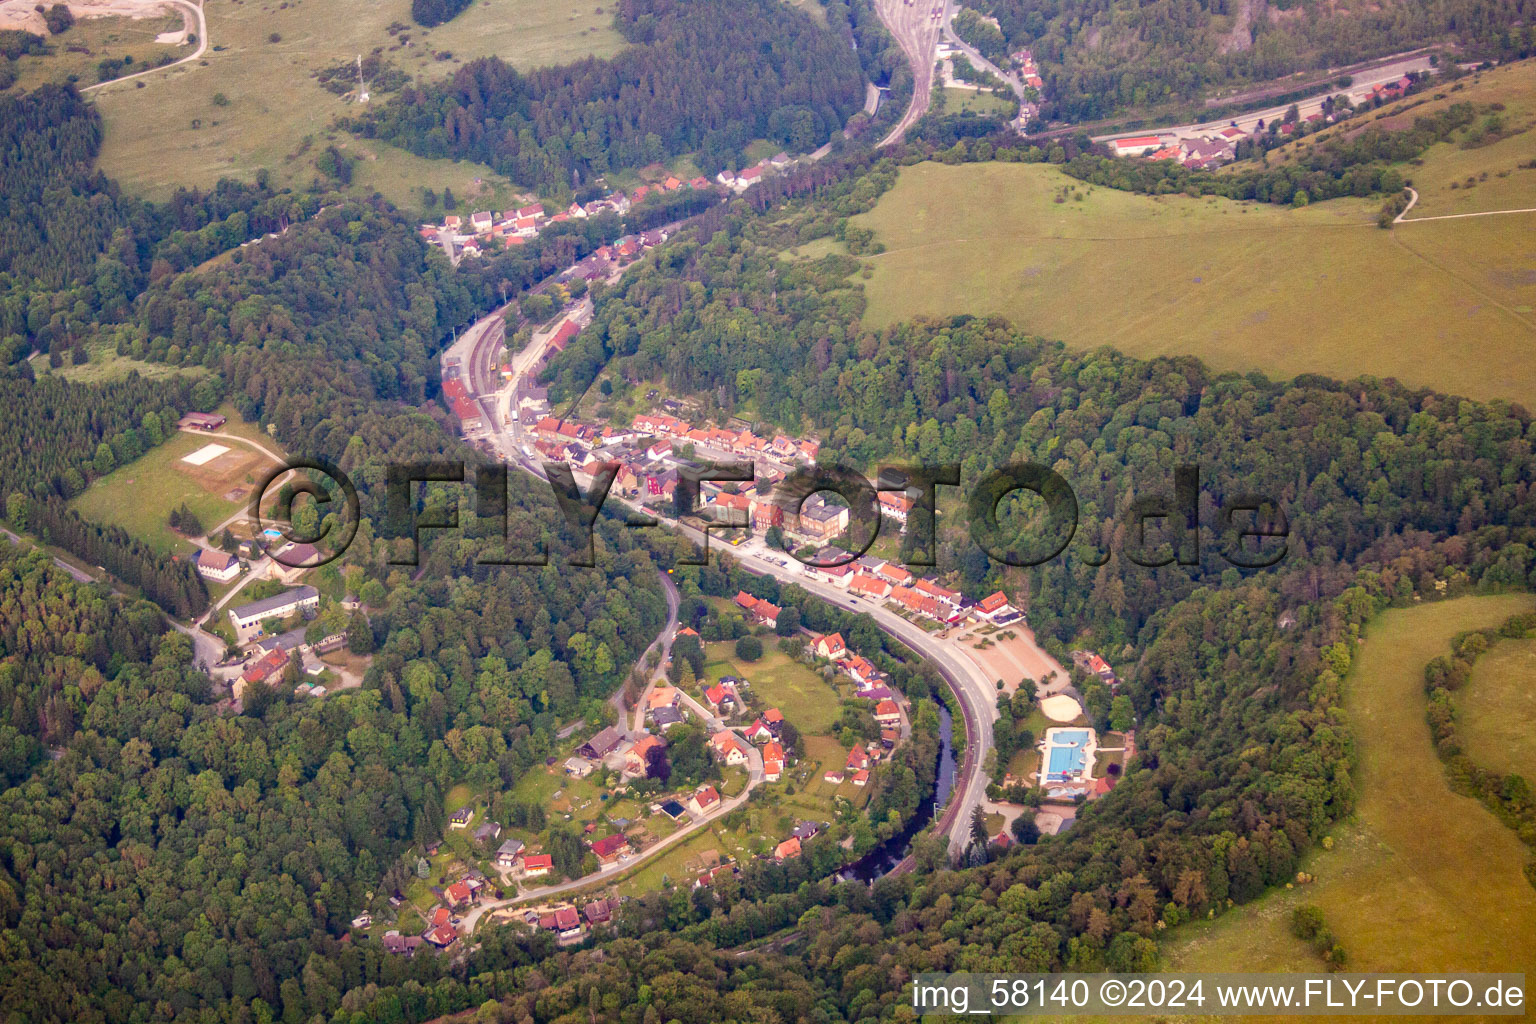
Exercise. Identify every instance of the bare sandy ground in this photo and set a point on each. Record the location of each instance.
(23, 14)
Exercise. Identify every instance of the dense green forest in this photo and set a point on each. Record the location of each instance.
(1099, 57)
(75, 251)
(708, 76)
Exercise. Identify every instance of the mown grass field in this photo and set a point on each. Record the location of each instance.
(1421, 879)
(278, 116)
(1321, 289)
(1497, 709)
(974, 101)
(78, 51)
(139, 496)
(779, 681)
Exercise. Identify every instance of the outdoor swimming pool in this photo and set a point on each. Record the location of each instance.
(1066, 754)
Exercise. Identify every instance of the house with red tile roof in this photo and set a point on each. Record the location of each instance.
(773, 761)
(830, 646)
(537, 864)
(442, 936)
(861, 778)
(458, 894)
(728, 748)
(635, 757)
(994, 606)
(763, 611)
(887, 713)
(704, 800)
(865, 585)
(610, 849)
(857, 758)
(789, 849)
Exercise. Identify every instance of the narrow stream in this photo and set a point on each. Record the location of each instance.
(894, 850)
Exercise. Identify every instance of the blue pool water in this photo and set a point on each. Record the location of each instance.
(274, 534)
(1067, 756)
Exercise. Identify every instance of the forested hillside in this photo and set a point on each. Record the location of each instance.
(74, 251)
(706, 76)
(1099, 57)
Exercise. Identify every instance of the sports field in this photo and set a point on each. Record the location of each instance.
(140, 496)
(1243, 286)
(173, 131)
(1421, 879)
(1497, 709)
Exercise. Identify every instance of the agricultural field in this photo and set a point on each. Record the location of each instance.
(1449, 301)
(77, 53)
(1397, 895)
(253, 101)
(140, 496)
(1496, 710)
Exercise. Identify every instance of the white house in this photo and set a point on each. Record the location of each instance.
(219, 566)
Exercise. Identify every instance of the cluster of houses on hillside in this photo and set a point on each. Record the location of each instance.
(740, 181)
(883, 582)
(485, 229)
(652, 457)
(871, 685)
(1219, 146)
(1034, 86)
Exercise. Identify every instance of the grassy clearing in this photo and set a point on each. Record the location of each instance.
(78, 51)
(973, 101)
(1497, 709)
(139, 496)
(779, 681)
(107, 365)
(1422, 879)
(1243, 286)
(277, 116)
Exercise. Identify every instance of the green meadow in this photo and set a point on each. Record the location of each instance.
(275, 114)
(1421, 879)
(1496, 710)
(1243, 286)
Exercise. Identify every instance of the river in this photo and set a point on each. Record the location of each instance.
(883, 858)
